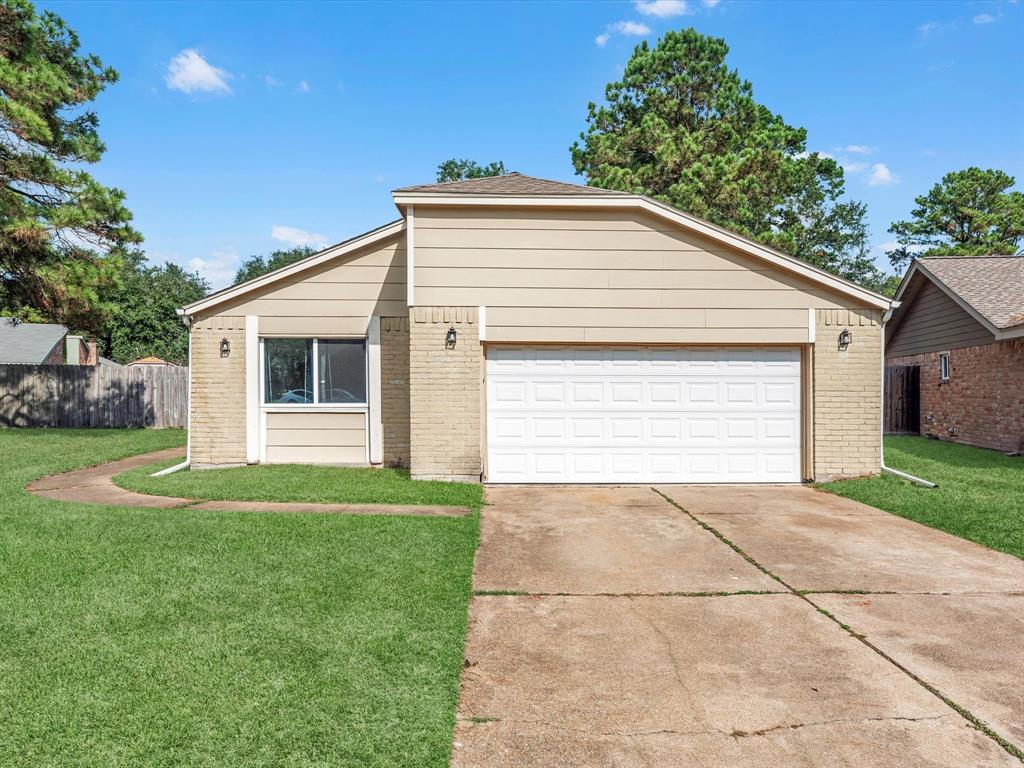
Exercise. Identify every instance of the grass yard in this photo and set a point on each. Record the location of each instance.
(980, 495)
(134, 637)
(297, 482)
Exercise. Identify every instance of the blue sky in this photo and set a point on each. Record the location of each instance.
(240, 128)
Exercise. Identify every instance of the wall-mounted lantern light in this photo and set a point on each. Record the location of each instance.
(845, 338)
(449, 338)
(225, 347)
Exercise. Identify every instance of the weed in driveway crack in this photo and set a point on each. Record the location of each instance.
(804, 595)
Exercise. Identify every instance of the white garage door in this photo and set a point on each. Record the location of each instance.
(643, 415)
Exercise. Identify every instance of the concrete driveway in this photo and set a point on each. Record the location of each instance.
(723, 626)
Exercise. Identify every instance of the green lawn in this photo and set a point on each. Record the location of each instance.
(134, 637)
(980, 495)
(297, 482)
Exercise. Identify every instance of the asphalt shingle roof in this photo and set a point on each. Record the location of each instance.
(29, 343)
(992, 285)
(515, 184)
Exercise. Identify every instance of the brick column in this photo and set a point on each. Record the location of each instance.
(394, 389)
(218, 392)
(444, 394)
(847, 394)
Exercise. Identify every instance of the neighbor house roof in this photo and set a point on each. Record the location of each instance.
(30, 343)
(993, 285)
(151, 360)
(990, 288)
(514, 184)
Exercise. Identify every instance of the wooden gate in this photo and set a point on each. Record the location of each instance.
(902, 400)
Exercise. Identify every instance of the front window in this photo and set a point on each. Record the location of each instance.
(944, 366)
(314, 371)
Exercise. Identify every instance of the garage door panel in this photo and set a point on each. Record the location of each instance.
(621, 415)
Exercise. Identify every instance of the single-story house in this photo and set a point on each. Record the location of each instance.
(519, 330)
(961, 322)
(31, 343)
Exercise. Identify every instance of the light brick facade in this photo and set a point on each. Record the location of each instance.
(847, 394)
(217, 434)
(983, 401)
(445, 393)
(394, 390)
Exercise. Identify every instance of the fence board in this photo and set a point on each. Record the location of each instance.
(93, 396)
(902, 400)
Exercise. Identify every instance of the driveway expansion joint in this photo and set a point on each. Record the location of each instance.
(804, 595)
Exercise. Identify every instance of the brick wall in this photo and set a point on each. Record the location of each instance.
(983, 401)
(394, 386)
(847, 394)
(445, 392)
(218, 392)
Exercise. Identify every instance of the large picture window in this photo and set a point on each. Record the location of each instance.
(314, 371)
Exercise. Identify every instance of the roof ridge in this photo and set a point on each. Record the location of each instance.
(964, 258)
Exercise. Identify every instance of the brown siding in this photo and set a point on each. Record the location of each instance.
(931, 322)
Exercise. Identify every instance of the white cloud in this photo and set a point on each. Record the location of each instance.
(663, 9)
(219, 269)
(625, 28)
(271, 81)
(188, 72)
(804, 155)
(710, 3)
(854, 167)
(881, 176)
(892, 245)
(984, 18)
(304, 86)
(929, 28)
(296, 237)
(856, 149)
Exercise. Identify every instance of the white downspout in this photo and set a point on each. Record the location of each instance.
(188, 405)
(886, 316)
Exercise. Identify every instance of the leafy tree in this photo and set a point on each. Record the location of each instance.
(683, 128)
(255, 266)
(63, 235)
(968, 213)
(146, 321)
(457, 170)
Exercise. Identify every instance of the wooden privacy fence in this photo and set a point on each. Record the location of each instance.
(902, 400)
(93, 396)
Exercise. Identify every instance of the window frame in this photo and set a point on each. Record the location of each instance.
(316, 405)
(945, 367)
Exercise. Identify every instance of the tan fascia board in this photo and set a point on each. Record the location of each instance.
(685, 220)
(314, 260)
(989, 326)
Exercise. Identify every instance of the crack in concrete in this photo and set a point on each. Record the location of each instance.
(969, 716)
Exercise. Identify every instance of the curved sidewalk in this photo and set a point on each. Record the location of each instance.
(95, 485)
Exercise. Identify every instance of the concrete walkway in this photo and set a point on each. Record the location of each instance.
(705, 626)
(95, 485)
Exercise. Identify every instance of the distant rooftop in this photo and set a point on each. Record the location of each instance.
(993, 285)
(28, 343)
(512, 184)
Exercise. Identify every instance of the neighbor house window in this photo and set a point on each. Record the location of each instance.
(314, 371)
(944, 366)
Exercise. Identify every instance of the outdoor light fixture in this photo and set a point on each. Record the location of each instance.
(845, 338)
(225, 347)
(449, 338)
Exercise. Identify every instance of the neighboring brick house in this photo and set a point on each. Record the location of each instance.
(520, 330)
(961, 320)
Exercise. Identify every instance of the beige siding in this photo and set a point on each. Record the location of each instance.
(604, 276)
(930, 321)
(337, 298)
(316, 438)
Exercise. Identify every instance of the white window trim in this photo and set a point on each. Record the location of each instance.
(266, 407)
(945, 367)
